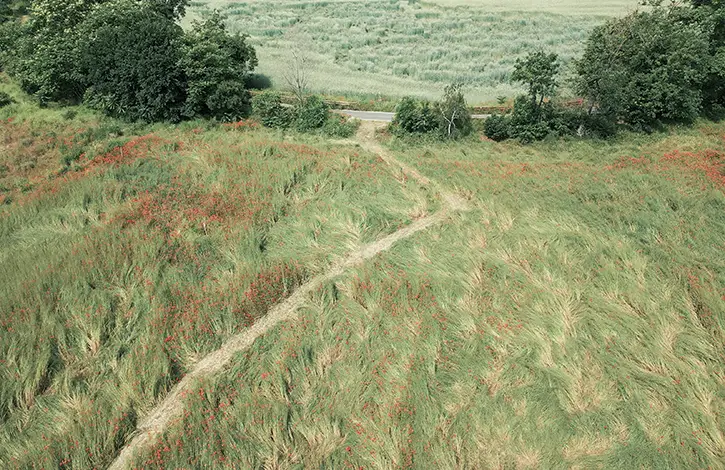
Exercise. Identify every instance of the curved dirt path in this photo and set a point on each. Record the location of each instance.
(171, 408)
(366, 139)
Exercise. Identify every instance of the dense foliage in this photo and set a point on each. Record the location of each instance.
(448, 118)
(131, 59)
(216, 65)
(415, 116)
(311, 115)
(268, 108)
(646, 68)
(534, 115)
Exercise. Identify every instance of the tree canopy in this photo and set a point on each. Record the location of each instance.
(131, 59)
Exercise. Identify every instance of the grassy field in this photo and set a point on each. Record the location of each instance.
(397, 48)
(129, 252)
(572, 318)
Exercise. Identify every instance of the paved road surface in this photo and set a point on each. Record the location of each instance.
(385, 117)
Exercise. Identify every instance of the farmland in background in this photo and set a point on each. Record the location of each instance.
(397, 48)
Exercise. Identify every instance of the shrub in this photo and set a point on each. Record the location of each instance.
(414, 116)
(311, 114)
(268, 108)
(529, 120)
(340, 126)
(5, 99)
(497, 128)
(598, 125)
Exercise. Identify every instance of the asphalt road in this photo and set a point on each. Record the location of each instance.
(385, 117)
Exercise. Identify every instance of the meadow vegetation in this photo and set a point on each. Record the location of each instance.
(559, 306)
(130, 251)
(573, 318)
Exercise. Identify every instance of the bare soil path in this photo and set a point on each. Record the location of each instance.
(170, 409)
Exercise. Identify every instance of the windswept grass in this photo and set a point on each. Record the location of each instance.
(573, 319)
(127, 262)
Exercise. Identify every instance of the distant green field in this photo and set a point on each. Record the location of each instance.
(396, 48)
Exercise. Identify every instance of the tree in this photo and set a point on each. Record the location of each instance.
(217, 66)
(454, 112)
(129, 56)
(538, 71)
(646, 68)
(46, 59)
(710, 15)
(297, 75)
(172, 9)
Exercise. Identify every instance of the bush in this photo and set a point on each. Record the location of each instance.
(529, 121)
(216, 66)
(311, 114)
(414, 116)
(340, 126)
(497, 128)
(268, 108)
(5, 99)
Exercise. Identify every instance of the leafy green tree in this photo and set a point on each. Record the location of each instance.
(46, 59)
(538, 72)
(129, 57)
(217, 67)
(456, 118)
(646, 68)
(173, 9)
(533, 118)
(711, 16)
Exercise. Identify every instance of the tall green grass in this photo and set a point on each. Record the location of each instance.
(573, 318)
(124, 265)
